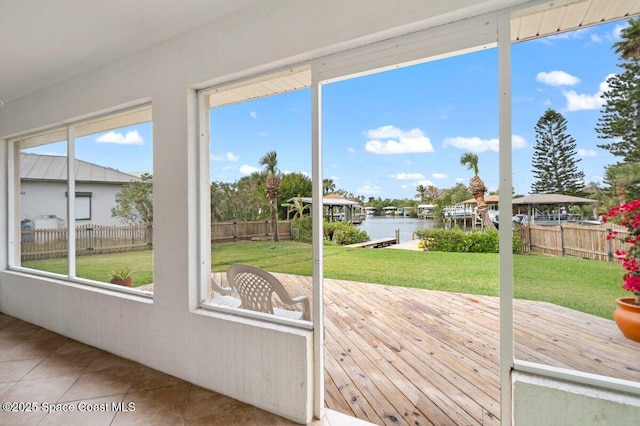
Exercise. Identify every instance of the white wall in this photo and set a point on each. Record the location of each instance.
(49, 198)
(266, 365)
(543, 401)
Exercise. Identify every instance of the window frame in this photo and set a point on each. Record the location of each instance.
(203, 110)
(82, 195)
(119, 117)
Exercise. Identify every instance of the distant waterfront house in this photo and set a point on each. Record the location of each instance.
(426, 211)
(43, 195)
(336, 207)
(389, 210)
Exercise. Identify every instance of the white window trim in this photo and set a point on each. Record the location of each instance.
(130, 115)
(204, 198)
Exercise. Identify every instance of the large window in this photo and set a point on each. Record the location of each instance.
(259, 158)
(84, 200)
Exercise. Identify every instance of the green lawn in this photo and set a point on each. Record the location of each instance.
(584, 285)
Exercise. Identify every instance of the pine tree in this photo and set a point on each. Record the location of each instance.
(555, 165)
(620, 119)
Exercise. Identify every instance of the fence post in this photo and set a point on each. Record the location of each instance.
(150, 235)
(561, 240)
(266, 228)
(90, 239)
(235, 231)
(609, 248)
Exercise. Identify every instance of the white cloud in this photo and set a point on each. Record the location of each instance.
(439, 176)
(461, 180)
(264, 134)
(424, 182)
(617, 31)
(476, 144)
(596, 38)
(351, 150)
(228, 156)
(129, 138)
(253, 114)
(518, 142)
(582, 101)
(247, 170)
(368, 189)
(407, 176)
(587, 153)
(397, 141)
(557, 78)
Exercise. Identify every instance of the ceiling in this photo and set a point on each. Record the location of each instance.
(44, 42)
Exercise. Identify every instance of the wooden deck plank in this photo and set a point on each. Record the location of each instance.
(430, 357)
(447, 386)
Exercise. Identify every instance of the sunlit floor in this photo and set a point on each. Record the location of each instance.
(41, 370)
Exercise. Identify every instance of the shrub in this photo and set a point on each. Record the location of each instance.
(337, 232)
(343, 234)
(301, 229)
(456, 240)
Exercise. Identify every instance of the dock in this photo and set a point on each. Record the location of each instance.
(382, 242)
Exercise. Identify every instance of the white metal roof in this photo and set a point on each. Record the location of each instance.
(328, 201)
(54, 168)
(283, 82)
(550, 19)
(552, 199)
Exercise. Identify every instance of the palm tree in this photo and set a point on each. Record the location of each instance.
(272, 188)
(421, 193)
(629, 45)
(433, 191)
(328, 186)
(477, 188)
(622, 176)
(298, 207)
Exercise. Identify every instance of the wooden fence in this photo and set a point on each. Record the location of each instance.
(96, 239)
(222, 232)
(570, 239)
(90, 239)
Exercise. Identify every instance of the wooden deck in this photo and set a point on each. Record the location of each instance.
(401, 356)
(382, 242)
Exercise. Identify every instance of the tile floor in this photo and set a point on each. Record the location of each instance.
(39, 366)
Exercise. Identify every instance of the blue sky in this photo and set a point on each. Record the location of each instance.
(386, 133)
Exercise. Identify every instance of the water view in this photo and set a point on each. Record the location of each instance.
(385, 227)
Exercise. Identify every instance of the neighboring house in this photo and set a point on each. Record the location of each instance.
(43, 191)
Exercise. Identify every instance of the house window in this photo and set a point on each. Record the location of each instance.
(249, 151)
(83, 205)
(95, 175)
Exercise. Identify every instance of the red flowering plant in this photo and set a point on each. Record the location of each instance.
(628, 215)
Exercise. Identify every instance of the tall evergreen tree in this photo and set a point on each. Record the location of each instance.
(620, 120)
(555, 165)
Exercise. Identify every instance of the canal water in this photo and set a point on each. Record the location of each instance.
(385, 227)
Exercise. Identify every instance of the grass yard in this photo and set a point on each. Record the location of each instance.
(585, 285)
(99, 267)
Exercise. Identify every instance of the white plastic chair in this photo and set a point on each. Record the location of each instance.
(222, 296)
(256, 287)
